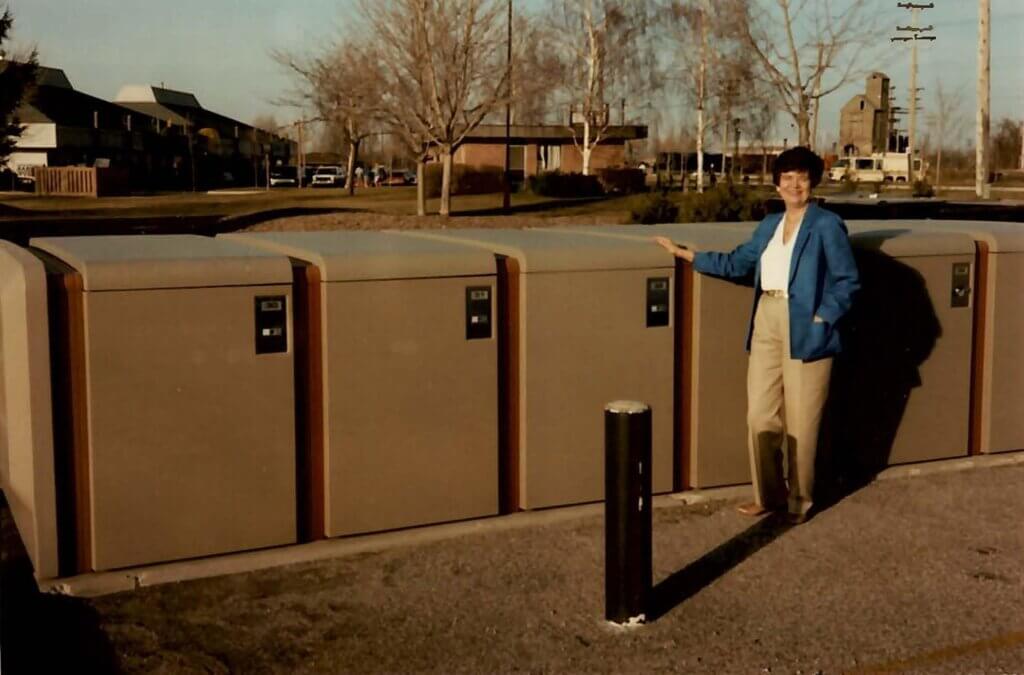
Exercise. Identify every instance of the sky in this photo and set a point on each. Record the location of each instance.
(219, 50)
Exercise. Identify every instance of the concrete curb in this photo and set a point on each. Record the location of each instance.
(104, 583)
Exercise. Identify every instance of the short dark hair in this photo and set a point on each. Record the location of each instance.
(799, 158)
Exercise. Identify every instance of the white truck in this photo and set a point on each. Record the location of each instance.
(329, 176)
(879, 167)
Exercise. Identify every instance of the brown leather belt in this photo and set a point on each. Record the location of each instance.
(775, 294)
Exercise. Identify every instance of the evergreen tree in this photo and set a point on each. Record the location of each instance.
(17, 76)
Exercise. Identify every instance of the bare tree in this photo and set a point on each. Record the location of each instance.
(266, 122)
(1006, 143)
(760, 121)
(805, 51)
(17, 78)
(344, 87)
(947, 123)
(535, 74)
(443, 73)
(713, 70)
(687, 23)
(603, 48)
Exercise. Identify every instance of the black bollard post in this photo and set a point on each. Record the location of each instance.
(627, 511)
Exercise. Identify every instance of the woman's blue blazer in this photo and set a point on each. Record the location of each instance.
(822, 278)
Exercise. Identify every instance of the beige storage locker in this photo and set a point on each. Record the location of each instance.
(581, 333)
(405, 362)
(711, 417)
(177, 435)
(901, 392)
(26, 431)
(997, 380)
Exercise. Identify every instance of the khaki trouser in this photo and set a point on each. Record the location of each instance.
(785, 400)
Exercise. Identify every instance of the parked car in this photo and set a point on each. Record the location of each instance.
(329, 176)
(397, 177)
(284, 176)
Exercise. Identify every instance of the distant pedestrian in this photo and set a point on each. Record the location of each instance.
(378, 177)
(359, 177)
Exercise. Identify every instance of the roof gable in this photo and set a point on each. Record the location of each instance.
(144, 93)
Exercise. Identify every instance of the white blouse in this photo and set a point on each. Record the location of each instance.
(777, 258)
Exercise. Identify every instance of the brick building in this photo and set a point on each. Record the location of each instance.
(540, 147)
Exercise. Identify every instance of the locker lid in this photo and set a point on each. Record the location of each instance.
(1001, 237)
(557, 250)
(135, 262)
(907, 240)
(347, 255)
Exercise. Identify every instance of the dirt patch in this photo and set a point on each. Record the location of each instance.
(380, 221)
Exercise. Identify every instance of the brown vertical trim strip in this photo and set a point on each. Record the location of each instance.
(309, 411)
(75, 289)
(63, 413)
(509, 447)
(65, 295)
(980, 292)
(684, 373)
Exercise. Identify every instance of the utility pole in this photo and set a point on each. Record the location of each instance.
(506, 187)
(703, 12)
(981, 184)
(916, 33)
(301, 163)
(817, 98)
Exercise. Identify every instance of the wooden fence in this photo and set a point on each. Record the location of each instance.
(80, 181)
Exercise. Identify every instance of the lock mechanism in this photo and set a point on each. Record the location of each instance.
(961, 293)
(478, 312)
(271, 324)
(657, 301)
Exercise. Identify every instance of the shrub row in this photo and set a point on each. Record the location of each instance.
(466, 180)
(557, 184)
(726, 202)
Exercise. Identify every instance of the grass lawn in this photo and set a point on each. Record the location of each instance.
(390, 200)
(386, 201)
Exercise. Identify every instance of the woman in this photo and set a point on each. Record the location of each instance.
(804, 280)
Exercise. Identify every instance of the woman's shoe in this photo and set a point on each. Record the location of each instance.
(753, 510)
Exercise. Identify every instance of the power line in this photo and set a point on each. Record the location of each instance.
(916, 34)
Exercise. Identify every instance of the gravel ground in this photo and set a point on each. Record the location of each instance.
(917, 575)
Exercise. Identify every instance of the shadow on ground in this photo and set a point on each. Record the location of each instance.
(41, 632)
(677, 588)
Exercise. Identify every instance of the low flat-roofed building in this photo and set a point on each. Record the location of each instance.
(535, 148)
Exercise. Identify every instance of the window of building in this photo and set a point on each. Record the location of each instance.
(549, 157)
